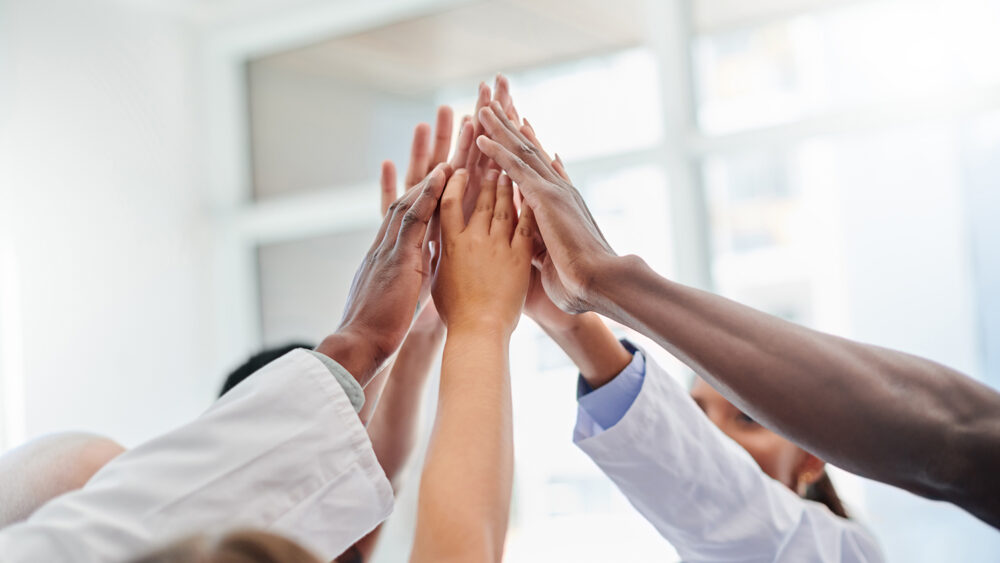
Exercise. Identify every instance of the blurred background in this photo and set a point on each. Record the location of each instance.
(185, 181)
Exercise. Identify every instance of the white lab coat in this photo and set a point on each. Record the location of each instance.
(704, 493)
(284, 451)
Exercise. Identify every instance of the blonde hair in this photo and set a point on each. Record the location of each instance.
(243, 546)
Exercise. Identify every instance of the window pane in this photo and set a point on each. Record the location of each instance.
(631, 206)
(304, 284)
(311, 131)
(870, 52)
(589, 107)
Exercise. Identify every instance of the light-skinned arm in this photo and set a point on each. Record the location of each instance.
(479, 289)
(883, 414)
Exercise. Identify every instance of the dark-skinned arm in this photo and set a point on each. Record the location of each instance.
(883, 414)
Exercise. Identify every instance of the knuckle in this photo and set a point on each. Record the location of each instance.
(397, 206)
(411, 218)
(525, 150)
(448, 203)
(501, 215)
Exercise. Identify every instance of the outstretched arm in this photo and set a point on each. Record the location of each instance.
(398, 389)
(479, 290)
(883, 414)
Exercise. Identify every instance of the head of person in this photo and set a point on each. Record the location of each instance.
(49, 466)
(258, 361)
(779, 458)
(245, 546)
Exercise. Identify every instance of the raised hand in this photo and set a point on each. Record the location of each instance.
(538, 305)
(576, 252)
(426, 153)
(387, 286)
(484, 268)
(476, 163)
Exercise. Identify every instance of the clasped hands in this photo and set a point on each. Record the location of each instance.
(457, 233)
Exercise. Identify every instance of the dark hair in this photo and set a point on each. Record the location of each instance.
(243, 546)
(258, 361)
(823, 492)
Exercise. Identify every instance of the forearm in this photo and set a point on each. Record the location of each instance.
(592, 346)
(397, 391)
(883, 414)
(470, 456)
(393, 429)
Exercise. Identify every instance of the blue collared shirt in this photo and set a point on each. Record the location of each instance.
(608, 404)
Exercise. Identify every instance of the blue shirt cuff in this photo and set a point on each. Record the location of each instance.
(609, 403)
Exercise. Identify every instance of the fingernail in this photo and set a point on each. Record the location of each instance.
(481, 141)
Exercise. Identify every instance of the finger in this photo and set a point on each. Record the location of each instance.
(482, 101)
(525, 176)
(524, 234)
(452, 219)
(413, 223)
(559, 167)
(500, 129)
(529, 133)
(504, 217)
(501, 94)
(432, 240)
(482, 215)
(464, 144)
(399, 207)
(442, 135)
(420, 156)
(388, 181)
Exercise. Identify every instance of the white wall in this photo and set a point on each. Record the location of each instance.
(100, 184)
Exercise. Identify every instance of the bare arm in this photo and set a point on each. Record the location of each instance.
(883, 414)
(394, 426)
(479, 289)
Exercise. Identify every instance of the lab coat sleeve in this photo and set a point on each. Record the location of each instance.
(284, 451)
(704, 493)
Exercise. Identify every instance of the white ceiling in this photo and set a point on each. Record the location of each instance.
(472, 40)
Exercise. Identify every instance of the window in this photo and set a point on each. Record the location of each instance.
(844, 167)
(845, 152)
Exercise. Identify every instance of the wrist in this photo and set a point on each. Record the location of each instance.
(567, 323)
(427, 327)
(352, 350)
(610, 282)
(481, 324)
